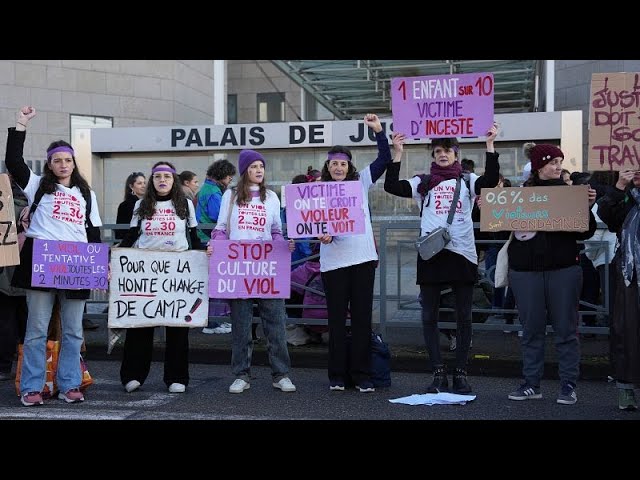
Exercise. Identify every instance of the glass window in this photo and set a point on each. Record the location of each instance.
(270, 107)
(232, 108)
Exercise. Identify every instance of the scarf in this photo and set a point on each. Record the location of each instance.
(440, 174)
(630, 241)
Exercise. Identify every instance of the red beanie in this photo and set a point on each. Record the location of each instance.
(542, 154)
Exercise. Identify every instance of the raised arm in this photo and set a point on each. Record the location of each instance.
(15, 147)
(380, 164)
(392, 182)
(613, 207)
(491, 175)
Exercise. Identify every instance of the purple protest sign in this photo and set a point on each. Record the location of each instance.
(69, 265)
(443, 105)
(319, 208)
(249, 269)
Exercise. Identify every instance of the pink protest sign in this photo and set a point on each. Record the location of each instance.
(69, 265)
(443, 105)
(250, 269)
(319, 208)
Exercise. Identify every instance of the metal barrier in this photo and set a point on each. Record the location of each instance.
(403, 302)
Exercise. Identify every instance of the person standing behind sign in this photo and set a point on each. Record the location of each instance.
(620, 210)
(546, 278)
(348, 269)
(457, 263)
(164, 194)
(236, 211)
(60, 215)
(134, 188)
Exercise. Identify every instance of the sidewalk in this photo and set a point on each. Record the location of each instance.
(494, 353)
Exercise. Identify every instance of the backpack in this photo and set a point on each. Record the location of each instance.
(380, 362)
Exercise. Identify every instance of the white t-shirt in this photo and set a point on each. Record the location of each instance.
(60, 215)
(165, 230)
(435, 214)
(345, 251)
(251, 221)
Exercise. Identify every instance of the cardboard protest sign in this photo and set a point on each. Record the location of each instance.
(69, 265)
(319, 208)
(614, 122)
(443, 105)
(250, 269)
(9, 251)
(150, 288)
(535, 209)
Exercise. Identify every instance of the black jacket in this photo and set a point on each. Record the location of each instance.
(548, 250)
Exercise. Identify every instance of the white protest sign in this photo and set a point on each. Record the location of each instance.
(150, 288)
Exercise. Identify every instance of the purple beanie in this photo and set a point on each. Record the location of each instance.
(246, 158)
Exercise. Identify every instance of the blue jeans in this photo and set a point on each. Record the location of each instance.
(272, 314)
(69, 374)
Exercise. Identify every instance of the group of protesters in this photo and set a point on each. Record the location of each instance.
(543, 267)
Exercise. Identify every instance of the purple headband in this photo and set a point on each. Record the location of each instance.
(338, 156)
(59, 149)
(163, 168)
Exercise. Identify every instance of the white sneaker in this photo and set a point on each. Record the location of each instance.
(132, 385)
(177, 388)
(239, 386)
(208, 331)
(285, 385)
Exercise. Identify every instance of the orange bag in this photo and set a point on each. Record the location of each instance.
(50, 387)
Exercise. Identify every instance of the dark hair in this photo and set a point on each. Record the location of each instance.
(580, 178)
(299, 179)
(352, 172)
(446, 143)
(312, 172)
(468, 165)
(243, 189)
(605, 177)
(221, 169)
(131, 179)
(186, 176)
(506, 182)
(48, 181)
(148, 202)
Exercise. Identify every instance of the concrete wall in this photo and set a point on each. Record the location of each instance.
(246, 78)
(133, 92)
(573, 84)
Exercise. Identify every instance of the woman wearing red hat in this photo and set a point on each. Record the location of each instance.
(546, 279)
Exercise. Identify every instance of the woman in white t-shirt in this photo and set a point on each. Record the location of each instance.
(252, 212)
(63, 207)
(457, 264)
(348, 266)
(164, 203)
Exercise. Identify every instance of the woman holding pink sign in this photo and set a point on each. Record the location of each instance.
(162, 220)
(348, 266)
(63, 208)
(457, 263)
(250, 211)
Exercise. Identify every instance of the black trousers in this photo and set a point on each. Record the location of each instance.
(13, 323)
(350, 289)
(138, 347)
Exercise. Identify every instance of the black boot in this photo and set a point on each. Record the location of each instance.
(440, 382)
(460, 384)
